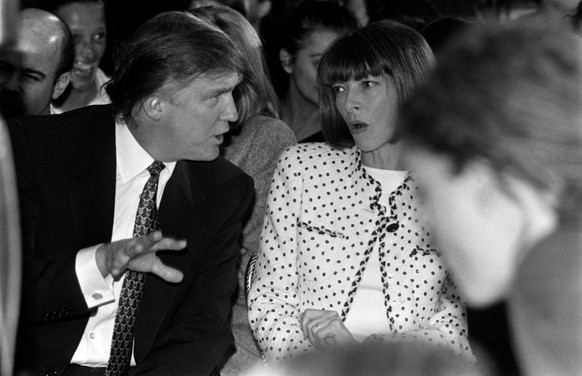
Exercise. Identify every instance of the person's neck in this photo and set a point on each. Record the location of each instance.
(80, 98)
(387, 157)
(302, 115)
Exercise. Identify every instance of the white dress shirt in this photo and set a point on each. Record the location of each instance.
(103, 293)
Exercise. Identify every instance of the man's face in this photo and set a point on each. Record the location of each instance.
(195, 118)
(27, 75)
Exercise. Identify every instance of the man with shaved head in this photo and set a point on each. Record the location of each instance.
(37, 67)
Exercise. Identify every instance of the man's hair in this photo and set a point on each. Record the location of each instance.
(172, 48)
(255, 93)
(386, 48)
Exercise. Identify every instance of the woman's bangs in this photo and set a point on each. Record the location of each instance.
(350, 59)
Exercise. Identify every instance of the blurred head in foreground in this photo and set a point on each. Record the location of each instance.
(495, 144)
(410, 358)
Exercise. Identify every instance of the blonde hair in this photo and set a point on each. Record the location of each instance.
(255, 94)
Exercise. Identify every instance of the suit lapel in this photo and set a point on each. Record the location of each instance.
(92, 190)
(177, 214)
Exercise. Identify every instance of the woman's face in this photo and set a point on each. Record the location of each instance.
(87, 24)
(368, 106)
(477, 226)
(303, 68)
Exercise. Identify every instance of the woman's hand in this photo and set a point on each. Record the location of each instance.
(325, 328)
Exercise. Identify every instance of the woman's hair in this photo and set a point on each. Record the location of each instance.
(413, 13)
(386, 48)
(255, 93)
(510, 95)
(172, 48)
(315, 15)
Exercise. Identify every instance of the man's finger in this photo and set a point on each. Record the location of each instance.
(165, 272)
(169, 244)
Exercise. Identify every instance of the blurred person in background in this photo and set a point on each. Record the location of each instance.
(86, 21)
(413, 13)
(36, 69)
(312, 27)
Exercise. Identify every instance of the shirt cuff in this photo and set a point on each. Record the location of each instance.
(96, 289)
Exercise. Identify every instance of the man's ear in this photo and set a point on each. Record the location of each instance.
(286, 60)
(487, 184)
(61, 84)
(153, 107)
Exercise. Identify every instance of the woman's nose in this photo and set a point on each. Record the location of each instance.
(353, 101)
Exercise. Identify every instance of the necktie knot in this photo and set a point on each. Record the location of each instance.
(155, 168)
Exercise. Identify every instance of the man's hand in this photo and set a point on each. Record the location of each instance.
(325, 328)
(139, 254)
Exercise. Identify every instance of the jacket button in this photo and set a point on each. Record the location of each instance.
(51, 372)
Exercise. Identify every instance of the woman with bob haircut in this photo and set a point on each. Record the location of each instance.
(311, 28)
(495, 142)
(343, 258)
(254, 144)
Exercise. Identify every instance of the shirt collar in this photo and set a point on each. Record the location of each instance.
(132, 159)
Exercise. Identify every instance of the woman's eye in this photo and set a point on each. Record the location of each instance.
(337, 89)
(368, 83)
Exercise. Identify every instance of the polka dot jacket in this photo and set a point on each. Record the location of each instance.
(322, 221)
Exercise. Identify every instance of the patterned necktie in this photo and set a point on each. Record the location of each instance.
(146, 221)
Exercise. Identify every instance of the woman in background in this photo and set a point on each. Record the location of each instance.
(343, 258)
(311, 28)
(495, 142)
(254, 144)
(86, 20)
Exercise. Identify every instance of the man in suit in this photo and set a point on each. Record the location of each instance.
(84, 175)
(36, 69)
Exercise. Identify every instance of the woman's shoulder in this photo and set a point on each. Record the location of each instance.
(267, 127)
(318, 155)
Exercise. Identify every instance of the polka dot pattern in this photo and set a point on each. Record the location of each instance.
(323, 218)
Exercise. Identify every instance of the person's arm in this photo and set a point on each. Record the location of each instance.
(52, 289)
(198, 337)
(268, 140)
(273, 298)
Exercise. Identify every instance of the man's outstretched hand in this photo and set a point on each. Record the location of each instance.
(139, 254)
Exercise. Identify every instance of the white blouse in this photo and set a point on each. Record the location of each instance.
(368, 313)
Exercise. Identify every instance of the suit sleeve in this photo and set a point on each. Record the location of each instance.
(198, 339)
(51, 291)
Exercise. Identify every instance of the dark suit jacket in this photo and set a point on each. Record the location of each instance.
(66, 169)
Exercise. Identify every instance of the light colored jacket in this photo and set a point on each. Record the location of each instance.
(322, 221)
